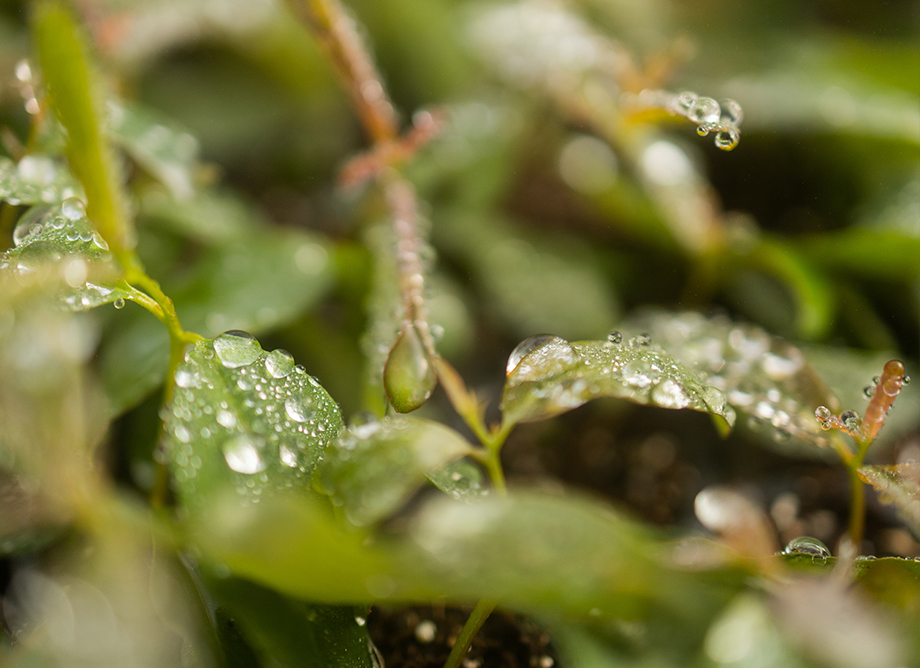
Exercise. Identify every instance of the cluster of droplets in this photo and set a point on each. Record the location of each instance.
(266, 417)
(35, 179)
(881, 394)
(764, 378)
(558, 375)
(723, 118)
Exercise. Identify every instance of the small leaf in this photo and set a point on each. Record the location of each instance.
(244, 419)
(169, 154)
(899, 486)
(290, 632)
(408, 377)
(36, 179)
(547, 376)
(371, 470)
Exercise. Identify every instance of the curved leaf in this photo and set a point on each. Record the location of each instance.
(371, 470)
(245, 420)
(36, 179)
(548, 375)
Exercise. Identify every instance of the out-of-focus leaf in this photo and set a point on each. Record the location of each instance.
(408, 376)
(899, 486)
(60, 236)
(72, 91)
(208, 217)
(547, 376)
(887, 255)
(293, 633)
(244, 420)
(497, 548)
(461, 480)
(254, 282)
(764, 378)
(169, 154)
(532, 283)
(371, 470)
(36, 179)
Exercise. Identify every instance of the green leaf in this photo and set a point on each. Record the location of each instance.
(462, 480)
(36, 179)
(61, 236)
(245, 420)
(764, 378)
(899, 486)
(166, 152)
(71, 87)
(547, 376)
(254, 282)
(293, 633)
(884, 254)
(408, 376)
(372, 469)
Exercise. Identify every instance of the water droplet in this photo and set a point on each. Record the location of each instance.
(186, 378)
(702, 130)
(288, 457)
(539, 356)
(242, 453)
(823, 416)
(73, 209)
(360, 621)
(731, 112)
(685, 100)
(408, 376)
(852, 420)
(704, 110)
(808, 545)
(614, 337)
(236, 349)
(226, 419)
(869, 391)
(119, 303)
(298, 409)
(425, 631)
(727, 139)
(644, 339)
(905, 380)
(279, 363)
(669, 394)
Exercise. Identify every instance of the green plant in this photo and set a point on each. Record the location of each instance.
(234, 520)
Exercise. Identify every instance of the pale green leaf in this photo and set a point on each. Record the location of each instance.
(36, 179)
(899, 486)
(462, 480)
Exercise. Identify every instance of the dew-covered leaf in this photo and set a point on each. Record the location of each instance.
(289, 632)
(765, 379)
(899, 486)
(255, 282)
(372, 469)
(168, 153)
(61, 236)
(548, 375)
(36, 179)
(246, 420)
(462, 480)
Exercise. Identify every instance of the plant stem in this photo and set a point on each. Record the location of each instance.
(475, 621)
(857, 507)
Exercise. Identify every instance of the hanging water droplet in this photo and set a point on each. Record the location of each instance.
(905, 380)
(727, 139)
(119, 303)
(243, 453)
(298, 408)
(869, 391)
(73, 209)
(236, 349)
(279, 363)
(823, 415)
(702, 130)
(808, 545)
(614, 337)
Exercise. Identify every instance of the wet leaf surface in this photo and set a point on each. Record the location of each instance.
(245, 420)
(372, 469)
(36, 179)
(899, 486)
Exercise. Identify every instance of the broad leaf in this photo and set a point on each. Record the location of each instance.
(764, 378)
(36, 179)
(898, 486)
(245, 420)
(372, 469)
(292, 633)
(60, 235)
(547, 376)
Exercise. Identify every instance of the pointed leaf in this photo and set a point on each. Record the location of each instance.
(246, 420)
(408, 376)
(36, 179)
(371, 470)
(547, 376)
(898, 486)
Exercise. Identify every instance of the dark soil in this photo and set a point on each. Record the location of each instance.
(422, 637)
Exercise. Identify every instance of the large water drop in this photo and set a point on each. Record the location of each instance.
(243, 453)
(298, 409)
(808, 545)
(279, 363)
(236, 349)
(539, 356)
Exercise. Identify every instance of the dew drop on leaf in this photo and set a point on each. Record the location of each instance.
(615, 338)
(226, 419)
(243, 453)
(73, 209)
(298, 409)
(279, 363)
(535, 357)
(288, 456)
(669, 394)
(808, 545)
(236, 349)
